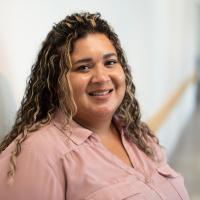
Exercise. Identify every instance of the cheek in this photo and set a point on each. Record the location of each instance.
(123, 81)
(122, 84)
(78, 85)
(120, 79)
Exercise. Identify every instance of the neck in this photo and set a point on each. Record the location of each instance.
(99, 126)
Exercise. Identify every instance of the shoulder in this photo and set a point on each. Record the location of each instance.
(39, 167)
(48, 141)
(158, 150)
(45, 144)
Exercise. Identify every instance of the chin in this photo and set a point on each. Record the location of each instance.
(103, 112)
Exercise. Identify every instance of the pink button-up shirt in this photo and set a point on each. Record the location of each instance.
(58, 164)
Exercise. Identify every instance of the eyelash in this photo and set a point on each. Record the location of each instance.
(107, 63)
(82, 68)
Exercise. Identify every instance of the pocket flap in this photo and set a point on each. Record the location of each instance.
(118, 191)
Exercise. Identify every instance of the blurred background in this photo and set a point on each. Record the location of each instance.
(161, 39)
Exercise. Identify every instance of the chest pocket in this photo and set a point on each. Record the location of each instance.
(175, 179)
(124, 190)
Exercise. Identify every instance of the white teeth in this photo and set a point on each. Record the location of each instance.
(100, 93)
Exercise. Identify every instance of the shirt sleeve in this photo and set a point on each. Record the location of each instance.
(37, 177)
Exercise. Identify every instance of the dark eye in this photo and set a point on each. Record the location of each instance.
(110, 62)
(83, 68)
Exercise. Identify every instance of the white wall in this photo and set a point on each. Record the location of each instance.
(156, 35)
(174, 61)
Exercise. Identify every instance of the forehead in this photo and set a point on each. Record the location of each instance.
(92, 44)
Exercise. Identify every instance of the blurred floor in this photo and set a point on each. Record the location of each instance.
(186, 157)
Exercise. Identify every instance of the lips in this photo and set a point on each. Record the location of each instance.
(100, 92)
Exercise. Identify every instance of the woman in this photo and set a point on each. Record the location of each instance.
(78, 133)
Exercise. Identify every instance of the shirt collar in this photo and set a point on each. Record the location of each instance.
(77, 133)
(73, 130)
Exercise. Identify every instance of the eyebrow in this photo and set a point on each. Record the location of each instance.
(105, 56)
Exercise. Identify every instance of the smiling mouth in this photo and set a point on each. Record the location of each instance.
(100, 93)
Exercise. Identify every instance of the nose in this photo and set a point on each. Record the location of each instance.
(100, 74)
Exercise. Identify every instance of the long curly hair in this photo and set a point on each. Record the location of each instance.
(49, 88)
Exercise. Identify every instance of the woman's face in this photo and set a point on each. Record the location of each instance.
(96, 77)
